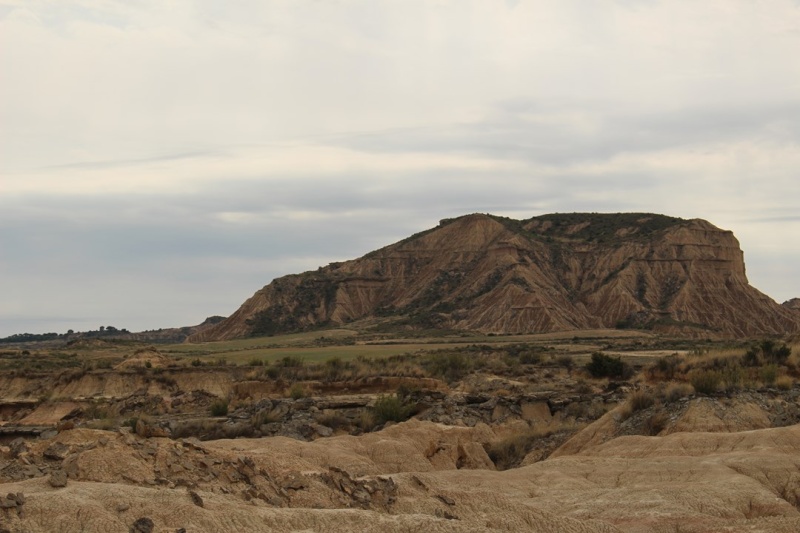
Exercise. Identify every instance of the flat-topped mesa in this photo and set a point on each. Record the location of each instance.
(555, 272)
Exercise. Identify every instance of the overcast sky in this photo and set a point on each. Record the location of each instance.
(160, 161)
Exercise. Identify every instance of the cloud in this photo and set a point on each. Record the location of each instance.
(161, 162)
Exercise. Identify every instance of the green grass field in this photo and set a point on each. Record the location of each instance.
(322, 345)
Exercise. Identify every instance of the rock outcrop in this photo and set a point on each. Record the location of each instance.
(550, 273)
(794, 304)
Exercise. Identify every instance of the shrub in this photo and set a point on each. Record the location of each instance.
(656, 423)
(450, 366)
(676, 391)
(603, 365)
(530, 358)
(391, 409)
(566, 361)
(196, 362)
(255, 361)
(334, 367)
(664, 367)
(768, 351)
(510, 451)
(297, 391)
(290, 361)
(705, 381)
(768, 374)
(640, 400)
(366, 420)
(732, 376)
(784, 383)
(219, 407)
(751, 358)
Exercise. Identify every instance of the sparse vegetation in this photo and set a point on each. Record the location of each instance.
(640, 400)
(391, 408)
(510, 451)
(604, 366)
(219, 407)
(705, 381)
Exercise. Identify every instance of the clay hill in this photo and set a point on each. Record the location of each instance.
(556, 272)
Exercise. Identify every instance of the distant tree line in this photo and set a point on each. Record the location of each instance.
(103, 331)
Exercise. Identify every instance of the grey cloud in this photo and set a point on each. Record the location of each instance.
(531, 131)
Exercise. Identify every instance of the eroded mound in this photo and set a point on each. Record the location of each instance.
(409, 477)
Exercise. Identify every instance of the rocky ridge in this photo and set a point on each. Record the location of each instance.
(548, 273)
(416, 475)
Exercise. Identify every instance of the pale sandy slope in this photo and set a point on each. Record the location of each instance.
(684, 482)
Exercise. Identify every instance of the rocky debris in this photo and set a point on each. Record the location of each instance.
(13, 501)
(58, 479)
(446, 499)
(18, 446)
(196, 499)
(461, 409)
(122, 507)
(57, 451)
(367, 493)
(142, 525)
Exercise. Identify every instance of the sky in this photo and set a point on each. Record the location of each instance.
(160, 161)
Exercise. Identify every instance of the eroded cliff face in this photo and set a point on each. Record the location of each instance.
(548, 273)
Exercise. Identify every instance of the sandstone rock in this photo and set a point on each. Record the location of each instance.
(296, 482)
(6, 503)
(446, 499)
(18, 446)
(142, 525)
(56, 451)
(122, 507)
(196, 499)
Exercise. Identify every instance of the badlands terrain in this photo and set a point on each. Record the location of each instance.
(566, 373)
(346, 430)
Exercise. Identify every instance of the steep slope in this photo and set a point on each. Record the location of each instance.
(550, 273)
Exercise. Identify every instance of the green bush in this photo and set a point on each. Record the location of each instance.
(768, 374)
(732, 375)
(219, 407)
(391, 409)
(602, 366)
(449, 366)
(705, 381)
(290, 361)
(297, 391)
(566, 361)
